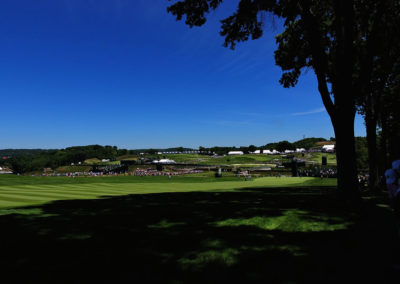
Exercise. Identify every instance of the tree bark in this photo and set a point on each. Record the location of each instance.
(384, 144)
(370, 123)
(343, 125)
(342, 110)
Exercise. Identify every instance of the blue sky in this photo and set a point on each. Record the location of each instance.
(126, 73)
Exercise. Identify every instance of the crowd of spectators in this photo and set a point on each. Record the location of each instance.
(152, 172)
(137, 172)
(318, 172)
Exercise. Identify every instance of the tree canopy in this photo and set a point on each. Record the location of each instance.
(337, 39)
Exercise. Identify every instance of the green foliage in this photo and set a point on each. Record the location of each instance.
(38, 160)
(308, 143)
(351, 45)
(23, 152)
(361, 152)
(252, 148)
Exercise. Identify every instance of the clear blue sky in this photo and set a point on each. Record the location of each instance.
(126, 73)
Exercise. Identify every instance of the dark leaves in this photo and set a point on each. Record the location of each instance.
(194, 10)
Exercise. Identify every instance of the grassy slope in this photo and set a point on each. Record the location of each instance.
(317, 158)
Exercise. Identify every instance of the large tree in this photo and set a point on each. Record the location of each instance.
(379, 53)
(324, 35)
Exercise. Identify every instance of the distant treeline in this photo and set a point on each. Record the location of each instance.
(22, 161)
(22, 152)
(28, 160)
(280, 146)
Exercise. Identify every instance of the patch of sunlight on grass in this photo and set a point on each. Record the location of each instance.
(291, 221)
(383, 205)
(196, 261)
(164, 224)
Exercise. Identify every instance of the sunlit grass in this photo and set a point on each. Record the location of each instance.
(24, 191)
(292, 220)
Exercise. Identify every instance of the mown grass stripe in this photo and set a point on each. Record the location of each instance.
(49, 194)
(46, 191)
(8, 203)
(96, 190)
(23, 198)
(65, 194)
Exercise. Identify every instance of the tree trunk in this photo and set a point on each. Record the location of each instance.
(384, 143)
(370, 123)
(343, 125)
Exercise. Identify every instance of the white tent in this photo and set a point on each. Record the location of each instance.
(235, 153)
(328, 148)
(299, 150)
(257, 152)
(166, 161)
(268, 152)
(288, 151)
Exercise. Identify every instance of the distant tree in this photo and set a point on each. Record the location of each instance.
(152, 151)
(244, 149)
(21, 164)
(252, 148)
(271, 146)
(122, 152)
(284, 145)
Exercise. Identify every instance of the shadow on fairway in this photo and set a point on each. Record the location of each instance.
(253, 236)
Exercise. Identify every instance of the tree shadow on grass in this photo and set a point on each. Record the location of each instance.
(279, 235)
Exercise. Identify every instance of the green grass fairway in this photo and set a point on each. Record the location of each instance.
(316, 158)
(23, 191)
(191, 230)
